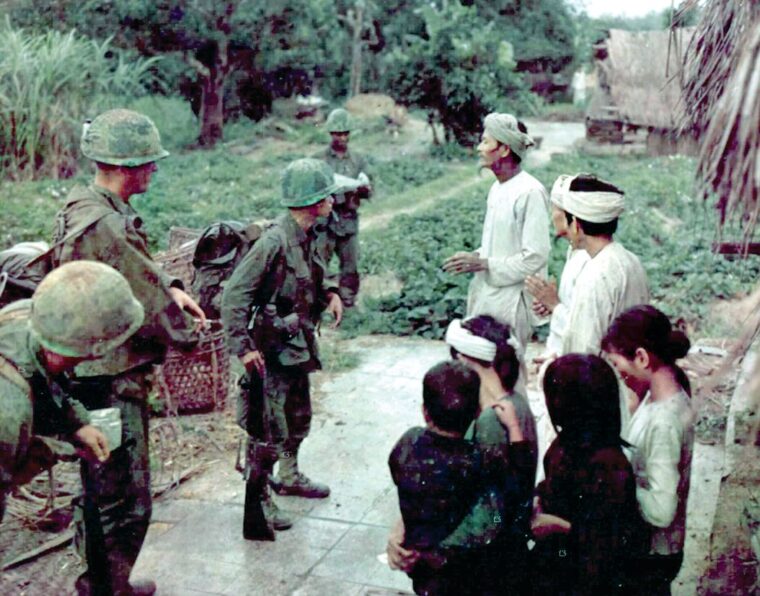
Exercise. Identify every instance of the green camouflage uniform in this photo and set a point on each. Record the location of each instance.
(97, 225)
(283, 268)
(343, 224)
(34, 403)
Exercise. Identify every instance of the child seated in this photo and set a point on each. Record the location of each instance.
(437, 475)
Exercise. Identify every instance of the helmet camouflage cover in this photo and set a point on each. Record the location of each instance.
(306, 182)
(339, 120)
(84, 309)
(122, 138)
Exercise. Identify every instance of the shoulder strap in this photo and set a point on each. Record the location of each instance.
(11, 373)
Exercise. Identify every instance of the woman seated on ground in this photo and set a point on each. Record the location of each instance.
(585, 522)
(643, 347)
(505, 433)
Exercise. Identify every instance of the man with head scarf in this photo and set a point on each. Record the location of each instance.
(548, 300)
(515, 241)
(613, 280)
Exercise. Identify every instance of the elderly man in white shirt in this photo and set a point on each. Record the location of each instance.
(515, 241)
(548, 301)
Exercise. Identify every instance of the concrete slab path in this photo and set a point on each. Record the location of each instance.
(335, 547)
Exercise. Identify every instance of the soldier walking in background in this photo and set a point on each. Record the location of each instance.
(98, 223)
(79, 312)
(343, 226)
(282, 282)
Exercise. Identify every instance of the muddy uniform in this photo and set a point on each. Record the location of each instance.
(343, 225)
(97, 225)
(283, 269)
(34, 403)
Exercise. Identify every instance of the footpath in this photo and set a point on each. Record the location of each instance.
(337, 545)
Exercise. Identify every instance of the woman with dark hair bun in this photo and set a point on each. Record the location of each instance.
(643, 346)
(586, 524)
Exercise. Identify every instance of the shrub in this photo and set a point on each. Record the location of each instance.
(48, 85)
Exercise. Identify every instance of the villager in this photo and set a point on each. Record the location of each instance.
(643, 347)
(548, 301)
(341, 236)
(515, 241)
(98, 223)
(437, 475)
(79, 312)
(613, 279)
(504, 433)
(282, 280)
(586, 523)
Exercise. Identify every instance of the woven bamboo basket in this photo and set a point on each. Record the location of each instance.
(197, 381)
(178, 262)
(179, 235)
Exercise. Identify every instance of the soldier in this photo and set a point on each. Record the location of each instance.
(98, 223)
(282, 279)
(43, 338)
(343, 226)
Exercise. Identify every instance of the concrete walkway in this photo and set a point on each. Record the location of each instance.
(336, 545)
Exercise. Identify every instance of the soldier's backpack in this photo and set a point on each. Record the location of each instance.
(221, 246)
(21, 270)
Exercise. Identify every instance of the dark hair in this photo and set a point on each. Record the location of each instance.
(646, 327)
(583, 399)
(505, 363)
(450, 393)
(591, 183)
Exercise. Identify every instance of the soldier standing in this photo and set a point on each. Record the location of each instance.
(282, 280)
(79, 312)
(343, 227)
(98, 223)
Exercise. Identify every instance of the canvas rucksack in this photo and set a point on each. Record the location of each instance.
(21, 270)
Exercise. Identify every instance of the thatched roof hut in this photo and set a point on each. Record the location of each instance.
(636, 87)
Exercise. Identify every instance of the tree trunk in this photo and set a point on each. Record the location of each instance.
(357, 22)
(212, 99)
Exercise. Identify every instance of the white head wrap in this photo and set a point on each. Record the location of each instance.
(468, 344)
(503, 128)
(558, 191)
(594, 207)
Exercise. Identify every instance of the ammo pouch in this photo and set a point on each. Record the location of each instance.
(283, 337)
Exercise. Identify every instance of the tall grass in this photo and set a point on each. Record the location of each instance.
(49, 84)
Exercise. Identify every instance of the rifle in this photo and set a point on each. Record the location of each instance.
(259, 458)
(98, 567)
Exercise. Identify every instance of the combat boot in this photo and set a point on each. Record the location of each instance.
(277, 517)
(289, 481)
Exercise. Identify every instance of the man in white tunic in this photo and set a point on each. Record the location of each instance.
(515, 241)
(547, 300)
(613, 280)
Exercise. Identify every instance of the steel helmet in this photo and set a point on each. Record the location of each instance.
(306, 182)
(339, 121)
(122, 138)
(84, 309)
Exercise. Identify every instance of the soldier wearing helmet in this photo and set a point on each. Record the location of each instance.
(343, 227)
(98, 223)
(283, 278)
(79, 312)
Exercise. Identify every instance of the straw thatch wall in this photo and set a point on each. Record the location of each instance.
(638, 89)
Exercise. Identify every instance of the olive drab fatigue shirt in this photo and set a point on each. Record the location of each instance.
(26, 384)
(283, 268)
(344, 219)
(97, 225)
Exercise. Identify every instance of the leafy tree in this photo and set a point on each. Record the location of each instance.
(458, 67)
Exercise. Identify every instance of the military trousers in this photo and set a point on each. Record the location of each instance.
(120, 487)
(346, 247)
(287, 396)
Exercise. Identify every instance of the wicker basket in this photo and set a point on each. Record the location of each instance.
(178, 262)
(197, 381)
(178, 236)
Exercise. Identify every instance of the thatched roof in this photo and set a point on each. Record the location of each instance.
(722, 102)
(636, 72)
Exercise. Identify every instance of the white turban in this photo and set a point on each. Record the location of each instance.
(559, 189)
(468, 344)
(503, 128)
(594, 207)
